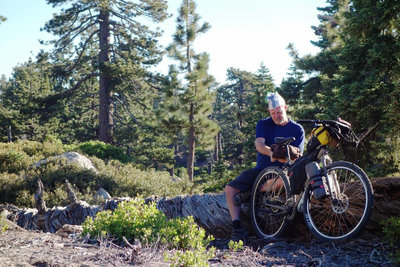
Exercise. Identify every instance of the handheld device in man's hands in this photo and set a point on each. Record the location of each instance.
(279, 152)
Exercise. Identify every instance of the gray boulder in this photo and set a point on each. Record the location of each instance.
(71, 157)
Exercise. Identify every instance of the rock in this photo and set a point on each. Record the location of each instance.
(71, 157)
(103, 194)
(68, 230)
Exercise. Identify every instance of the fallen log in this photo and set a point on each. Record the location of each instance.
(209, 211)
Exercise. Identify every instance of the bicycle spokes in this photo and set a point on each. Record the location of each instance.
(269, 195)
(345, 212)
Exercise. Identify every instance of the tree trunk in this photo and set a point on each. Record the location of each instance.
(221, 151)
(216, 148)
(209, 211)
(105, 93)
(190, 160)
(9, 135)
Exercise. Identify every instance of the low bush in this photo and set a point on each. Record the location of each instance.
(3, 223)
(11, 185)
(21, 155)
(36, 149)
(103, 151)
(132, 181)
(13, 161)
(391, 230)
(137, 220)
(19, 178)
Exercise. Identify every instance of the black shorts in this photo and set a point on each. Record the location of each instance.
(245, 180)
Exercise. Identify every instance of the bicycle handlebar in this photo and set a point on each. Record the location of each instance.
(317, 121)
(325, 122)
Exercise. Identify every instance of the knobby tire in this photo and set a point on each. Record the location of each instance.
(347, 214)
(268, 198)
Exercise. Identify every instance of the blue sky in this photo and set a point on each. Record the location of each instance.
(243, 33)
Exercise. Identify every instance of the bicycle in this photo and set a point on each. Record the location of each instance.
(341, 214)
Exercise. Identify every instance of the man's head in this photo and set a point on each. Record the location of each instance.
(277, 108)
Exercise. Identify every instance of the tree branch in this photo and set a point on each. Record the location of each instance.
(364, 134)
(52, 100)
(83, 50)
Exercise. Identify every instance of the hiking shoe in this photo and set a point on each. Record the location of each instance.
(239, 234)
(242, 197)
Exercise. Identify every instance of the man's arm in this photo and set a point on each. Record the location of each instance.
(262, 147)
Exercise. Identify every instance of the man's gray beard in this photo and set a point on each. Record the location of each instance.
(283, 121)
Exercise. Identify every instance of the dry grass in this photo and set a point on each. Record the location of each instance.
(19, 247)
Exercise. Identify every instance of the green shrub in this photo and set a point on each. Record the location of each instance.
(137, 220)
(235, 245)
(3, 223)
(21, 155)
(132, 181)
(24, 198)
(198, 257)
(117, 178)
(53, 173)
(13, 161)
(391, 230)
(103, 151)
(10, 186)
(35, 149)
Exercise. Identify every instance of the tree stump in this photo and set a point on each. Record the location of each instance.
(209, 211)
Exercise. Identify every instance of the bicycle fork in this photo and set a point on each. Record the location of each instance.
(330, 178)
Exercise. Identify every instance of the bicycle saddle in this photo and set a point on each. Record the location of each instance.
(284, 140)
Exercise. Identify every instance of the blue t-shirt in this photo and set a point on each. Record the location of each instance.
(267, 129)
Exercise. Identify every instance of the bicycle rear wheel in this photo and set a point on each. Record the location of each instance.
(268, 198)
(345, 213)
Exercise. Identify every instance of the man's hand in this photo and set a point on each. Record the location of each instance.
(280, 160)
(279, 153)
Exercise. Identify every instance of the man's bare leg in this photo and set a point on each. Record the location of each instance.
(272, 185)
(230, 193)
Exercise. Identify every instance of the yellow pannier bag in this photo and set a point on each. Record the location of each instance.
(322, 135)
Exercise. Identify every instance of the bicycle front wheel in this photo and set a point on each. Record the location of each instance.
(269, 196)
(344, 213)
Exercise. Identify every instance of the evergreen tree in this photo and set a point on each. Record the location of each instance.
(238, 107)
(20, 103)
(170, 113)
(356, 76)
(104, 39)
(194, 95)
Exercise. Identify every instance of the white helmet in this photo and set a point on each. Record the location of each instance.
(274, 100)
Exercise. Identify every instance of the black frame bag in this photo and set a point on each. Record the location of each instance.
(297, 173)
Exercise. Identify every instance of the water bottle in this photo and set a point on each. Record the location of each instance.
(314, 174)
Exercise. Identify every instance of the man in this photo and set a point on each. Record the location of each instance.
(277, 125)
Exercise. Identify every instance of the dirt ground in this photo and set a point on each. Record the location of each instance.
(19, 247)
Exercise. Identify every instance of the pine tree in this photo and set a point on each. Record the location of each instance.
(105, 39)
(355, 76)
(238, 107)
(21, 105)
(194, 96)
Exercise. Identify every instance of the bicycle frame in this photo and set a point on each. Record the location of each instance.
(330, 178)
(339, 215)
